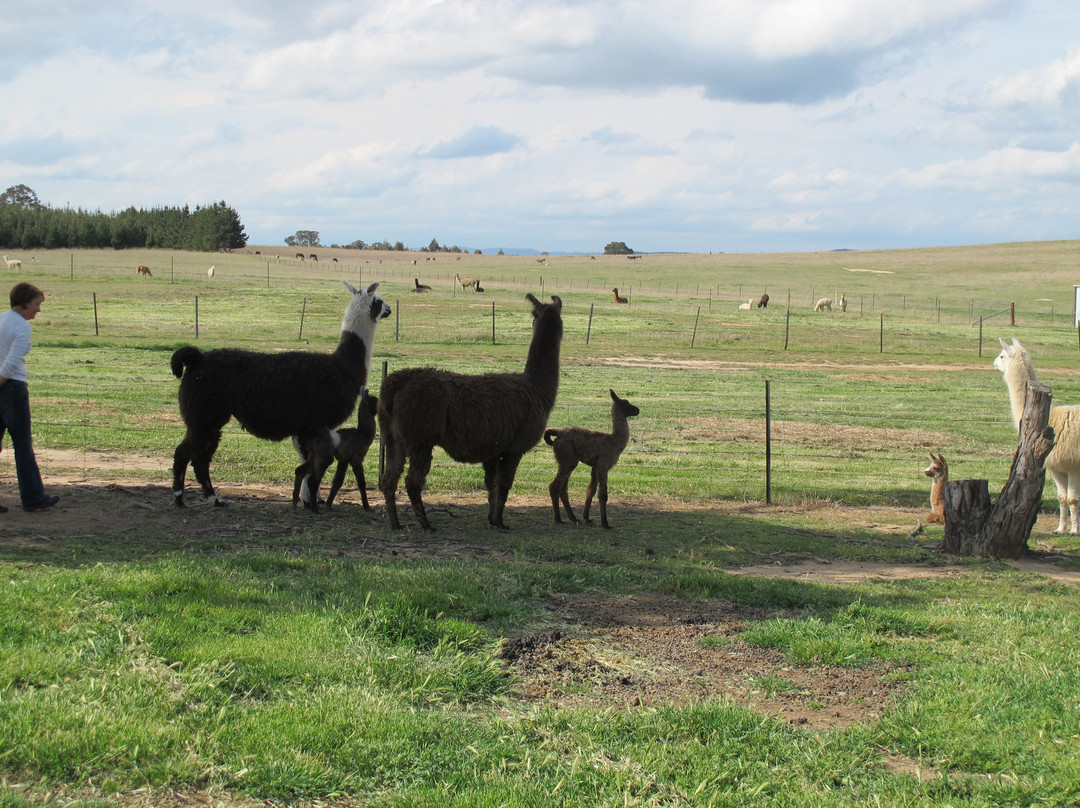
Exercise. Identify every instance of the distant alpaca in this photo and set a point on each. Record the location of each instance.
(1063, 462)
(465, 283)
(600, 450)
(143, 269)
(491, 419)
(749, 304)
(478, 287)
(618, 299)
(843, 302)
(823, 304)
(351, 449)
(420, 287)
(299, 256)
(939, 471)
(13, 263)
(273, 396)
(210, 272)
(763, 301)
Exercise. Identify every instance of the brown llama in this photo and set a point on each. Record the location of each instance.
(351, 449)
(939, 471)
(600, 450)
(465, 283)
(763, 301)
(143, 269)
(492, 419)
(420, 287)
(619, 299)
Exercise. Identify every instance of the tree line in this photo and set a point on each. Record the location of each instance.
(26, 223)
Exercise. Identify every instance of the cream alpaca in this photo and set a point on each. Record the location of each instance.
(939, 471)
(1063, 462)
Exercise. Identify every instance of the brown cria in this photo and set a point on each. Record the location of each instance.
(143, 269)
(420, 287)
(763, 301)
(492, 419)
(939, 471)
(298, 394)
(352, 448)
(600, 450)
(619, 299)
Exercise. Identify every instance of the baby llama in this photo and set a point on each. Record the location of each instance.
(938, 470)
(298, 394)
(823, 304)
(143, 269)
(492, 419)
(600, 450)
(351, 448)
(619, 298)
(749, 304)
(1063, 462)
(13, 263)
(763, 301)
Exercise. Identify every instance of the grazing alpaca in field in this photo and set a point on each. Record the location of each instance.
(352, 444)
(600, 450)
(824, 304)
(143, 269)
(273, 396)
(299, 256)
(491, 419)
(749, 304)
(939, 471)
(1063, 462)
(13, 263)
(314, 257)
(420, 287)
(618, 299)
(763, 301)
(465, 283)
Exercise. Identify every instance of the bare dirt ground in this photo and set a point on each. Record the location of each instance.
(609, 653)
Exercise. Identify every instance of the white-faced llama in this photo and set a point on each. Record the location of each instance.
(492, 419)
(298, 394)
(600, 450)
(1063, 462)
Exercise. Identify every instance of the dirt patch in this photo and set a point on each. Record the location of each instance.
(655, 651)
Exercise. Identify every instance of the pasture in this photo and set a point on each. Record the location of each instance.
(710, 649)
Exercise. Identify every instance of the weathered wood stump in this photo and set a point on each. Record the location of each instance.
(975, 527)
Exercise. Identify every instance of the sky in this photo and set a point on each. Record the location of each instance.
(558, 125)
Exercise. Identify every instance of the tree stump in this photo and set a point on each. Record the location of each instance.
(972, 525)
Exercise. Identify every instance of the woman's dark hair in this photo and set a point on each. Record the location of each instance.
(23, 294)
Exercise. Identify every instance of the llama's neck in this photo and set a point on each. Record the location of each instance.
(542, 364)
(620, 430)
(1017, 375)
(356, 353)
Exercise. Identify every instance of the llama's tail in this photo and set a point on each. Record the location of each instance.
(186, 357)
(550, 436)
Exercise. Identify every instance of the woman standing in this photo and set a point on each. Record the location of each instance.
(15, 333)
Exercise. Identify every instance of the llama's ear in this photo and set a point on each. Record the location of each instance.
(351, 288)
(1006, 347)
(372, 287)
(613, 396)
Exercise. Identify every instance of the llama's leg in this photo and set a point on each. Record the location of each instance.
(560, 490)
(339, 478)
(300, 474)
(1061, 481)
(181, 458)
(601, 495)
(589, 493)
(361, 483)
(506, 470)
(202, 454)
(392, 468)
(318, 451)
(1074, 502)
(419, 466)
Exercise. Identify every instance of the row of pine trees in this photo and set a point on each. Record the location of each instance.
(26, 226)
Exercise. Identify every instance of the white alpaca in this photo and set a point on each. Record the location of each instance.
(749, 304)
(843, 302)
(13, 263)
(210, 272)
(823, 304)
(1063, 462)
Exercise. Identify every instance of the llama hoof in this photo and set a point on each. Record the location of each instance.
(220, 503)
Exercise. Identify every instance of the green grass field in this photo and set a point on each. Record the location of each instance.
(255, 655)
